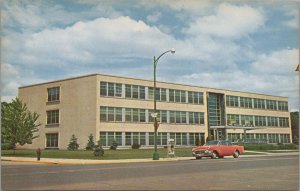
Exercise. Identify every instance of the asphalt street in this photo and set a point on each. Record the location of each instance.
(255, 173)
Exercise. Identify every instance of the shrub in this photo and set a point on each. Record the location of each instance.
(98, 151)
(135, 146)
(73, 145)
(114, 145)
(90, 145)
(6, 146)
(270, 147)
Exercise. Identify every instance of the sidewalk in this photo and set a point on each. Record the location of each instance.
(86, 161)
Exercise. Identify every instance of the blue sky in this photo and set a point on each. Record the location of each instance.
(250, 46)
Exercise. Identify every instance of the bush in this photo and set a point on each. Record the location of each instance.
(90, 145)
(6, 146)
(98, 151)
(135, 146)
(270, 147)
(73, 145)
(114, 145)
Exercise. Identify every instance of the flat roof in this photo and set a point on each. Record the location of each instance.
(96, 74)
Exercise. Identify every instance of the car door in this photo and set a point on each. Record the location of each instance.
(230, 148)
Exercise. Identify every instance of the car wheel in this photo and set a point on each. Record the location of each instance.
(214, 155)
(236, 154)
(198, 157)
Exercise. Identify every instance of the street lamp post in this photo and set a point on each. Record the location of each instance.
(155, 61)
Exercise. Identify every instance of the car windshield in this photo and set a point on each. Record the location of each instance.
(211, 143)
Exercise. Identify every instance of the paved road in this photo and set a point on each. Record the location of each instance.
(256, 173)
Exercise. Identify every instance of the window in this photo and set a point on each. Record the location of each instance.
(163, 115)
(128, 114)
(171, 95)
(128, 91)
(110, 138)
(163, 94)
(135, 92)
(283, 122)
(103, 88)
(196, 118)
(142, 115)
(103, 138)
(110, 114)
(118, 113)
(172, 116)
(183, 117)
(135, 115)
(110, 89)
(53, 117)
(164, 138)
(232, 101)
(53, 94)
(271, 104)
(182, 96)
(142, 92)
(118, 90)
(127, 138)
(52, 140)
(142, 138)
(233, 120)
(195, 97)
(103, 113)
(151, 138)
(150, 93)
(260, 120)
(272, 121)
(245, 102)
(259, 103)
(118, 137)
(283, 105)
(177, 95)
(247, 120)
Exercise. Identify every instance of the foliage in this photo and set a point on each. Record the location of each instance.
(135, 146)
(270, 147)
(98, 151)
(6, 146)
(295, 126)
(90, 145)
(114, 145)
(18, 124)
(73, 145)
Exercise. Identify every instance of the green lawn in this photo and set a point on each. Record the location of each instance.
(108, 154)
(115, 154)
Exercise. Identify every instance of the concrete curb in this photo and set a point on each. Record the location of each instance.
(119, 161)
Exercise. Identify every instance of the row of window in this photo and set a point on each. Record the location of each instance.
(118, 114)
(251, 120)
(246, 102)
(142, 138)
(147, 93)
(260, 137)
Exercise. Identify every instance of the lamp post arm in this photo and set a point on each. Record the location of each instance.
(156, 60)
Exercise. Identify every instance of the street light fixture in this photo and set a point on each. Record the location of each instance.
(155, 61)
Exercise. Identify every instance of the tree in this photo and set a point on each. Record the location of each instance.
(295, 126)
(73, 145)
(90, 145)
(19, 125)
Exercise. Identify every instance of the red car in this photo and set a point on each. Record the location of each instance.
(218, 149)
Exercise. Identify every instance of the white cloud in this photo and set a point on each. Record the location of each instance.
(277, 62)
(230, 21)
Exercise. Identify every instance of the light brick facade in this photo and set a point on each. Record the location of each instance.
(123, 113)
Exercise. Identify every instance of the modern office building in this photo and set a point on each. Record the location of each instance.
(119, 108)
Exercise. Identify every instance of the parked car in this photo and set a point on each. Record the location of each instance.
(218, 148)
